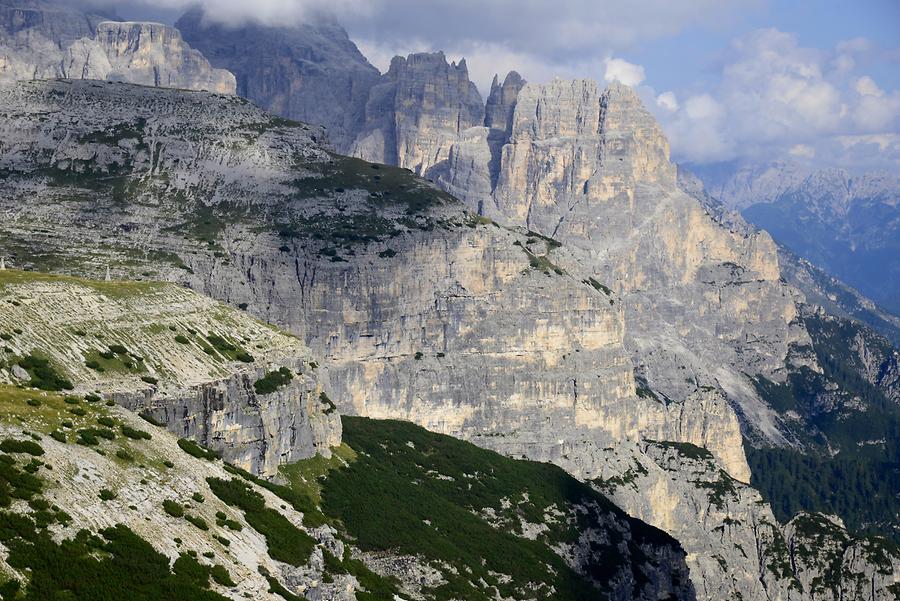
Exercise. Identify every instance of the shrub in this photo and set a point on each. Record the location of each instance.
(59, 436)
(220, 344)
(92, 398)
(273, 380)
(182, 339)
(124, 455)
(43, 375)
(134, 433)
(418, 356)
(118, 349)
(106, 421)
(34, 402)
(198, 522)
(71, 400)
(79, 411)
(244, 357)
(173, 509)
(148, 417)
(11, 445)
(107, 495)
(198, 497)
(221, 576)
(150, 380)
(223, 521)
(285, 541)
(193, 449)
(168, 464)
(329, 405)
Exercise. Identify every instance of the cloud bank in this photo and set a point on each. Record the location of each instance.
(778, 99)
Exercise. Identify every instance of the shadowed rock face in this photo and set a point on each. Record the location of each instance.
(421, 105)
(311, 72)
(43, 40)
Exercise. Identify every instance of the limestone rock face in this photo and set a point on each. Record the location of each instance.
(502, 102)
(256, 432)
(34, 35)
(416, 112)
(147, 54)
(312, 72)
(831, 564)
(590, 168)
(40, 40)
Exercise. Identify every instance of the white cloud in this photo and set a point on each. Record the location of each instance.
(802, 151)
(668, 101)
(777, 99)
(618, 69)
(866, 86)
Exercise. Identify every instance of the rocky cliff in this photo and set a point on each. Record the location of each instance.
(41, 40)
(845, 224)
(421, 105)
(311, 72)
(187, 361)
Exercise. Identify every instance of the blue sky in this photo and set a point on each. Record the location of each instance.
(748, 80)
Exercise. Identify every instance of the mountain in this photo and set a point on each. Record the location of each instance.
(819, 288)
(847, 225)
(311, 72)
(41, 40)
(422, 310)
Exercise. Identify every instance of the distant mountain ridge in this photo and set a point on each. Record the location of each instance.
(847, 225)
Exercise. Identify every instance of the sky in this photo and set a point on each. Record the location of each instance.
(817, 82)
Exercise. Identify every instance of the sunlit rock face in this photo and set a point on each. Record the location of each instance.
(44, 40)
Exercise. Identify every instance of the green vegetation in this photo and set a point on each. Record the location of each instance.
(228, 349)
(43, 375)
(111, 362)
(273, 380)
(540, 263)
(598, 286)
(194, 450)
(840, 410)
(174, 509)
(285, 541)
(862, 491)
(415, 492)
(134, 434)
(88, 567)
(329, 404)
(11, 445)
